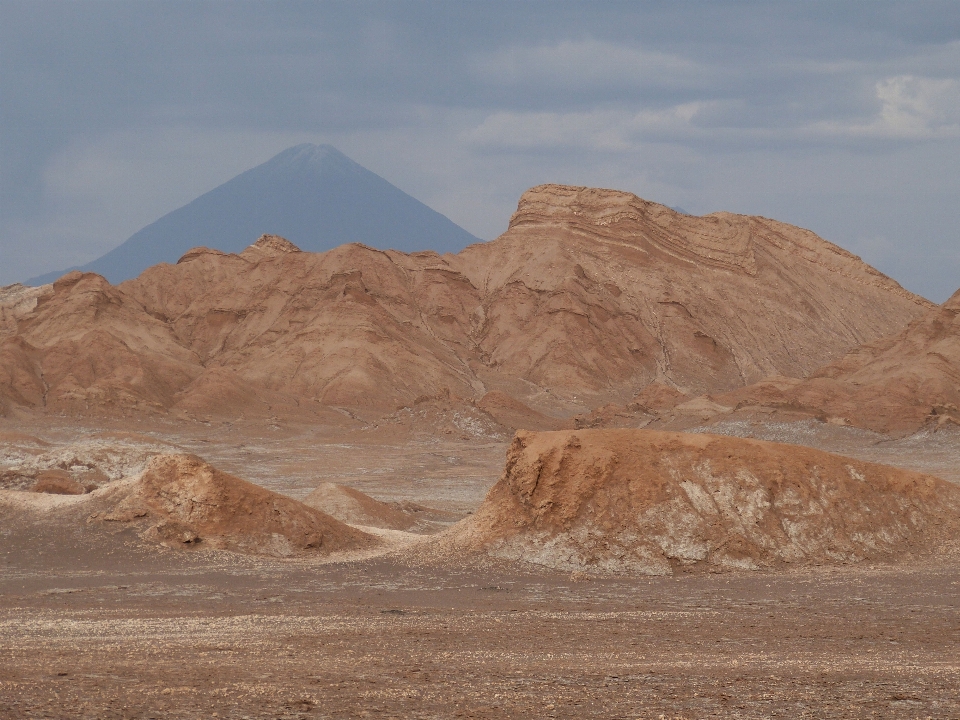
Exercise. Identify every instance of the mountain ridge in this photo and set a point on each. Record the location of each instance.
(588, 298)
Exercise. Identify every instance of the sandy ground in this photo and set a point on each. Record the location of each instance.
(94, 624)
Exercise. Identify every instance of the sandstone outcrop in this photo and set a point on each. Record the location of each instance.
(88, 344)
(588, 298)
(638, 501)
(592, 291)
(58, 482)
(17, 301)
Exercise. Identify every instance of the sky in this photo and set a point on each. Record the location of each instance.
(842, 117)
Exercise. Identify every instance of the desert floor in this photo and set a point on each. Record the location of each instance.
(96, 624)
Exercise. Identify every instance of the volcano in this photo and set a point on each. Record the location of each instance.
(312, 194)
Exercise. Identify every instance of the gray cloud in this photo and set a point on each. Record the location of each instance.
(843, 117)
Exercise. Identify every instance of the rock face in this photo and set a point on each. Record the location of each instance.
(86, 344)
(588, 298)
(17, 301)
(638, 501)
(187, 501)
(57, 482)
(271, 245)
(598, 289)
(895, 385)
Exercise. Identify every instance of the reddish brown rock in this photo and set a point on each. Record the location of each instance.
(638, 501)
(186, 501)
(356, 508)
(513, 414)
(597, 290)
(57, 482)
(658, 398)
(589, 297)
(895, 385)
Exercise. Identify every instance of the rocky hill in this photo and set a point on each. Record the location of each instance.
(588, 298)
(612, 290)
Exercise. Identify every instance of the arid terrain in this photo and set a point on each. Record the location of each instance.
(620, 462)
(98, 623)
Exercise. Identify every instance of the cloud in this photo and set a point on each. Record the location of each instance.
(586, 64)
(919, 107)
(115, 113)
(908, 108)
(601, 129)
(911, 108)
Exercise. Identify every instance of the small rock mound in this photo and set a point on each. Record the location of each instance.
(637, 501)
(188, 501)
(356, 508)
(58, 482)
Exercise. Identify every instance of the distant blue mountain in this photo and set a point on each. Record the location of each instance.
(313, 195)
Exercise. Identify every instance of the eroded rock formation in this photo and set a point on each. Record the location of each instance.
(185, 501)
(639, 501)
(588, 298)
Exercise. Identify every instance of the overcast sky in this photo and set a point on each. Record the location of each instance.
(842, 117)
